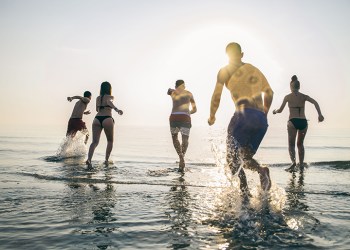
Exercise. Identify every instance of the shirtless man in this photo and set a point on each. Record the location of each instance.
(180, 118)
(252, 96)
(75, 122)
(297, 123)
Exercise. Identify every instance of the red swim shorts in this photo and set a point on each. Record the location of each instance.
(75, 125)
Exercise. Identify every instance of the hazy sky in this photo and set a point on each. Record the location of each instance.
(53, 49)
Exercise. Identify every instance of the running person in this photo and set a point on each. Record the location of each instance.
(75, 122)
(249, 122)
(297, 124)
(103, 121)
(180, 118)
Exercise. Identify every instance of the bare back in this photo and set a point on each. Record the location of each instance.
(181, 101)
(246, 84)
(296, 103)
(80, 107)
(105, 107)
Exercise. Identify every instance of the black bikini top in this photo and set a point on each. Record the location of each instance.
(102, 107)
(299, 108)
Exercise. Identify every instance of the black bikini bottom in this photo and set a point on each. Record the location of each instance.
(102, 118)
(299, 123)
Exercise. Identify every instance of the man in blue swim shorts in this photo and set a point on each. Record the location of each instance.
(252, 96)
(180, 118)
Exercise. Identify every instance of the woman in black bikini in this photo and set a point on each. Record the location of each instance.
(297, 124)
(103, 121)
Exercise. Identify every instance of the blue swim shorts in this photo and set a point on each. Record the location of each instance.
(246, 129)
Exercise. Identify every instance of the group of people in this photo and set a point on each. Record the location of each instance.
(103, 119)
(252, 96)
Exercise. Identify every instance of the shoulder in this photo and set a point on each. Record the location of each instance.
(250, 68)
(109, 97)
(189, 93)
(224, 74)
(306, 97)
(287, 97)
(85, 100)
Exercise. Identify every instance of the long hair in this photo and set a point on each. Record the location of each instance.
(106, 89)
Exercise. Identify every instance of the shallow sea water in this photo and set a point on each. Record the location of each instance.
(51, 200)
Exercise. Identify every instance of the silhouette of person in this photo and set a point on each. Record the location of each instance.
(252, 96)
(103, 121)
(297, 124)
(75, 122)
(180, 118)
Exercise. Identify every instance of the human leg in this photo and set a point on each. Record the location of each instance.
(246, 155)
(184, 144)
(292, 133)
(300, 145)
(249, 132)
(234, 163)
(96, 133)
(178, 148)
(108, 126)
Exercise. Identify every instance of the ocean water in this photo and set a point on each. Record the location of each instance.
(51, 200)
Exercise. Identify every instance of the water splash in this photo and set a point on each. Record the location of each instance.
(72, 147)
(243, 217)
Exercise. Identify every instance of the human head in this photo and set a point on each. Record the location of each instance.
(87, 94)
(106, 88)
(179, 83)
(234, 51)
(294, 84)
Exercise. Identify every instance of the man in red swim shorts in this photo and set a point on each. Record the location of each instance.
(180, 118)
(75, 122)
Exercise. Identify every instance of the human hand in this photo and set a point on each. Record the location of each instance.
(120, 112)
(320, 118)
(274, 111)
(69, 99)
(170, 91)
(211, 120)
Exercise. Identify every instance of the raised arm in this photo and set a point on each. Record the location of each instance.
(216, 97)
(320, 116)
(83, 99)
(111, 104)
(282, 106)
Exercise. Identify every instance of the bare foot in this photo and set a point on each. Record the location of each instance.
(88, 162)
(108, 162)
(182, 165)
(292, 168)
(265, 180)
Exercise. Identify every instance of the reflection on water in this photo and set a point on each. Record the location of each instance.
(296, 195)
(296, 214)
(180, 215)
(91, 205)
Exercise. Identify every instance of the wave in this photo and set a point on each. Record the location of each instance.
(332, 193)
(344, 165)
(333, 164)
(104, 181)
(341, 165)
(308, 147)
(59, 158)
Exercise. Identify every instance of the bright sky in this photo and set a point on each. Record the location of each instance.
(53, 49)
